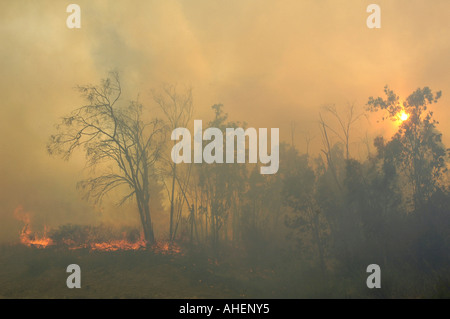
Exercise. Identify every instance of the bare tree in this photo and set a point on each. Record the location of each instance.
(177, 108)
(345, 124)
(327, 151)
(112, 132)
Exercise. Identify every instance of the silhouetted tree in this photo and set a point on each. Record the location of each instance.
(111, 131)
(420, 153)
(299, 193)
(177, 108)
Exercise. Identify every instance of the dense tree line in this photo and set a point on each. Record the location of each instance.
(331, 210)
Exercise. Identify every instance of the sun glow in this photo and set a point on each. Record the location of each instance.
(403, 116)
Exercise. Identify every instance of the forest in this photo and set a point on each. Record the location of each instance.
(310, 230)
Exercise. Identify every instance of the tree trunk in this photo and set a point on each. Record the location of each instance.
(172, 204)
(150, 235)
(144, 213)
(316, 226)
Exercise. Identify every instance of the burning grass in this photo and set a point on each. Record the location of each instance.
(94, 238)
(118, 263)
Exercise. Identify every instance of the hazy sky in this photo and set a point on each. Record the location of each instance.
(269, 63)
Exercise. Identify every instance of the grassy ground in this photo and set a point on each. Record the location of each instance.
(41, 273)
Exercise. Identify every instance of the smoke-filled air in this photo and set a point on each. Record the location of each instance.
(225, 149)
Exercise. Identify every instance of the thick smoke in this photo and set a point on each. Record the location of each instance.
(268, 62)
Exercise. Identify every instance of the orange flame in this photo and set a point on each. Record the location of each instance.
(32, 239)
(167, 248)
(123, 244)
(27, 236)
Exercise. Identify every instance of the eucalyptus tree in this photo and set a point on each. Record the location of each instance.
(113, 131)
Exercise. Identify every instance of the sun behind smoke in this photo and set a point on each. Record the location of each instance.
(403, 116)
